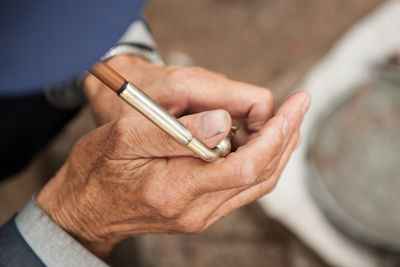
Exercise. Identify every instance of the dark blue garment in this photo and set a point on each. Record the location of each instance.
(27, 124)
(14, 251)
(44, 42)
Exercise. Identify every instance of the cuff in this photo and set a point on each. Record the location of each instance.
(50, 243)
(136, 41)
(139, 32)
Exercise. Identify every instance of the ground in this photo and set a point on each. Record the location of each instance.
(268, 42)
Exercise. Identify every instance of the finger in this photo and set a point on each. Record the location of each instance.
(209, 91)
(295, 105)
(244, 166)
(290, 108)
(218, 199)
(250, 194)
(206, 204)
(223, 202)
(273, 176)
(138, 137)
(294, 108)
(277, 161)
(208, 208)
(275, 168)
(283, 162)
(215, 205)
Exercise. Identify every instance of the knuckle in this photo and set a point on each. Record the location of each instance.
(180, 74)
(118, 135)
(247, 172)
(179, 78)
(162, 202)
(163, 208)
(269, 96)
(265, 96)
(277, 138)
(195, 70)
(169, 212)
(117, 128)
(192, 185)
(191, 224)
(271, 186)
(174, 77)
(271, 167)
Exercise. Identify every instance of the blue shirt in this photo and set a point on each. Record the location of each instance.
(45, 42)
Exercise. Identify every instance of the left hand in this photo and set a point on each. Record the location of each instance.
(128, 178)
(183, 91)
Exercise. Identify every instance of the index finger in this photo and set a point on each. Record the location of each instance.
(208, 90)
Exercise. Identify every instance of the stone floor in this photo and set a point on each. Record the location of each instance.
(267, 42)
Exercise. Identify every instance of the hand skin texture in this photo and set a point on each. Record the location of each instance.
(128, 177)
(182, 91)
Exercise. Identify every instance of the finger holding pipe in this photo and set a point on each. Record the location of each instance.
(157, 114)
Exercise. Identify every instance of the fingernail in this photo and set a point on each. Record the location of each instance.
(285, 126)
(213, 123)
(306, 105)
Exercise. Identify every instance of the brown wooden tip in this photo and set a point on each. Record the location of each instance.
(107, 75)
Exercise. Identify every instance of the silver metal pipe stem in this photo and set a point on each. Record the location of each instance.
(169, 124)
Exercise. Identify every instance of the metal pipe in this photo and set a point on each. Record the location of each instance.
(169, 124)
(158, 115)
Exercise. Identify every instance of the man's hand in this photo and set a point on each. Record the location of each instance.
(183, 90)
(128, 177)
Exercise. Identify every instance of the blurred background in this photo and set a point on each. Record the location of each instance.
(272, 43)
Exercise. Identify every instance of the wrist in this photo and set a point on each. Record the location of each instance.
(67, 209)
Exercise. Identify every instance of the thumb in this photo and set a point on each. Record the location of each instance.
(144, 139)
(210, 127)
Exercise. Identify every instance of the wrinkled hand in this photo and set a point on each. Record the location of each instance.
(183, 91)
(128, 177)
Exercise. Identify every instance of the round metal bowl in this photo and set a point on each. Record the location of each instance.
(354, 162)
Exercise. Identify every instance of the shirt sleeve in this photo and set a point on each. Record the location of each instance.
(50, 243)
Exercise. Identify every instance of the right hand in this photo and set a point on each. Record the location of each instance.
(182, 91)
(128, 177)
